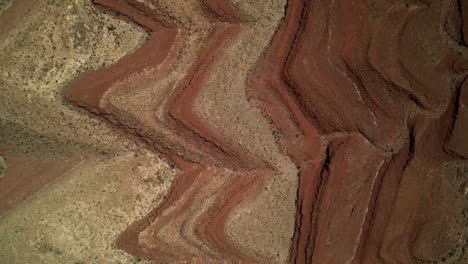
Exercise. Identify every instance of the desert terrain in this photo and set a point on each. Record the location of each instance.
(233, 131)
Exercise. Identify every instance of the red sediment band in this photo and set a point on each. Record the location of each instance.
(89, 89)
(338, 89)
(195, 178)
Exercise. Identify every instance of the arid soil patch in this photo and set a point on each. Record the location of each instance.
(233, 131)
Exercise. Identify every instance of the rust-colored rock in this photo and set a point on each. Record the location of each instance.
(299, 131)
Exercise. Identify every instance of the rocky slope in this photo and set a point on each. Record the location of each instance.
(295, 131)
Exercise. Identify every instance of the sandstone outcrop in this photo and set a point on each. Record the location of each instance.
(295, 131)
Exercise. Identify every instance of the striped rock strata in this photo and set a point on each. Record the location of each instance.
(300, 131)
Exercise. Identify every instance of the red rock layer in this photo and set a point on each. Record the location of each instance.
(370, 100)
(204, 158)
(26, 177)
(376, 81)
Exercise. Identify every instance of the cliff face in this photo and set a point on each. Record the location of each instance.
(295, 131)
